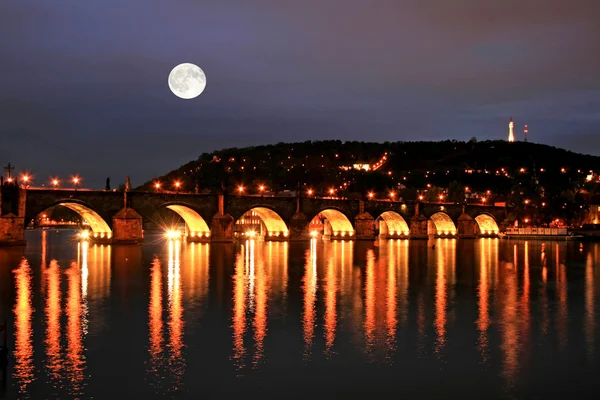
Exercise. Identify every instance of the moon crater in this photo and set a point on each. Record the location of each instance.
(187, 81)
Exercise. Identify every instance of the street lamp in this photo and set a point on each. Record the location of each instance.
(55, 182)
(157, 186)
(240, 189)
(441, 197)
(371, 195)
(310, 192)
(177, 186)
(392, 195)
(76, 181)
(420, 197)
(331, 191)
(261, 189)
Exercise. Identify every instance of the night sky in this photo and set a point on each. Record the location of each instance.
(84, 88)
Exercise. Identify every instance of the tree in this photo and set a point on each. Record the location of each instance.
(456, 192)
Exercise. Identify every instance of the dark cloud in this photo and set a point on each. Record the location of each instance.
(84, 83)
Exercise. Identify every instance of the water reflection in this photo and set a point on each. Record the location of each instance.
(445, 256)
(51, 281)
(590, 302)
(155, 319)
(509, 318)
(175, 307)
(259, 293)
(496, 307)
(75, 311)
(561, 290)
(309, 288)
(23, 311)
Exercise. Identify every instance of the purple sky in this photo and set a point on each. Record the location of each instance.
(84, 89)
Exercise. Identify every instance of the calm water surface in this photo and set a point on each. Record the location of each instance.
(468, 319)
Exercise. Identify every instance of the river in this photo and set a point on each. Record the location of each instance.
(420, 319)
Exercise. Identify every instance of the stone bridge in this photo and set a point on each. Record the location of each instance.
(121, 217)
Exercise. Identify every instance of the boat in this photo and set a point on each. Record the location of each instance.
(539, 233)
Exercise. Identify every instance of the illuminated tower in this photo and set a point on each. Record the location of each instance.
(511, 135)
(525, 132)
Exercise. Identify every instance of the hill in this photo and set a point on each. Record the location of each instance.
(322, 165)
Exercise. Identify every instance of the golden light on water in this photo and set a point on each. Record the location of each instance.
(342, 299)
(155, 320)
(309, 288)
(23, 371)
(51, 277)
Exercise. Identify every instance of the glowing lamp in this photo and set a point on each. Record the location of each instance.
(172, 234)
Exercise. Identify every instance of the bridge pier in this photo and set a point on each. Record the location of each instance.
(466, 227)
(364, 226)
(418, 227)
(221, 228)
(299, 227)
(127, 227)
(12, 214)
(12, 230)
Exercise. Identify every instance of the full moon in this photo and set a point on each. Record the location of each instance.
(187, 81)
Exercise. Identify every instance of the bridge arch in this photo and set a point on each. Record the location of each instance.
(97, 224)
(440, 223)
(272, 226)
(336, 223)
(487, 224)
(392, 223)
(196, 225)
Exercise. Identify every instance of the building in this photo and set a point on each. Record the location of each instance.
(511, 135)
